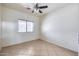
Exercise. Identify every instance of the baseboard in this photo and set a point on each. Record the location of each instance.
(19, 43)
(60, 46)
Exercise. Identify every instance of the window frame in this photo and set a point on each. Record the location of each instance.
(26, 26)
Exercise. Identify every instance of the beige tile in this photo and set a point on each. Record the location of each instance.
(43, 52)
(36, 48)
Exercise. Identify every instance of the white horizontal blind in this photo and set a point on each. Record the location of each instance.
(30, 26)
(25, 26)
(21, 26)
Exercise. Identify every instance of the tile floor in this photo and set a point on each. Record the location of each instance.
(36, 48)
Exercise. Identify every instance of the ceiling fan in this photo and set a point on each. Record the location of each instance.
(38, 8)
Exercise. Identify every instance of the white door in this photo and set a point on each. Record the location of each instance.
(0, 26)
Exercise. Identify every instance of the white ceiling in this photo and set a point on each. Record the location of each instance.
(22, 7)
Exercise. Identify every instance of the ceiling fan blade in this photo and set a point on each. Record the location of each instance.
(41, 7)
(36, 5)
(40, 11)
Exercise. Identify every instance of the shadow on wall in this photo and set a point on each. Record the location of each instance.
(9, 26)
(61, 27)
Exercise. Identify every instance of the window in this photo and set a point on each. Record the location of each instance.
(21, 26)
(29, 26)
(25, 26)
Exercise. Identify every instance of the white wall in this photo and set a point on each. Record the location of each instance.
(9, 27)
(61, 26)
(0, 27)
(78, 42)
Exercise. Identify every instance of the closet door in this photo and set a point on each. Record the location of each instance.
(0, 24)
